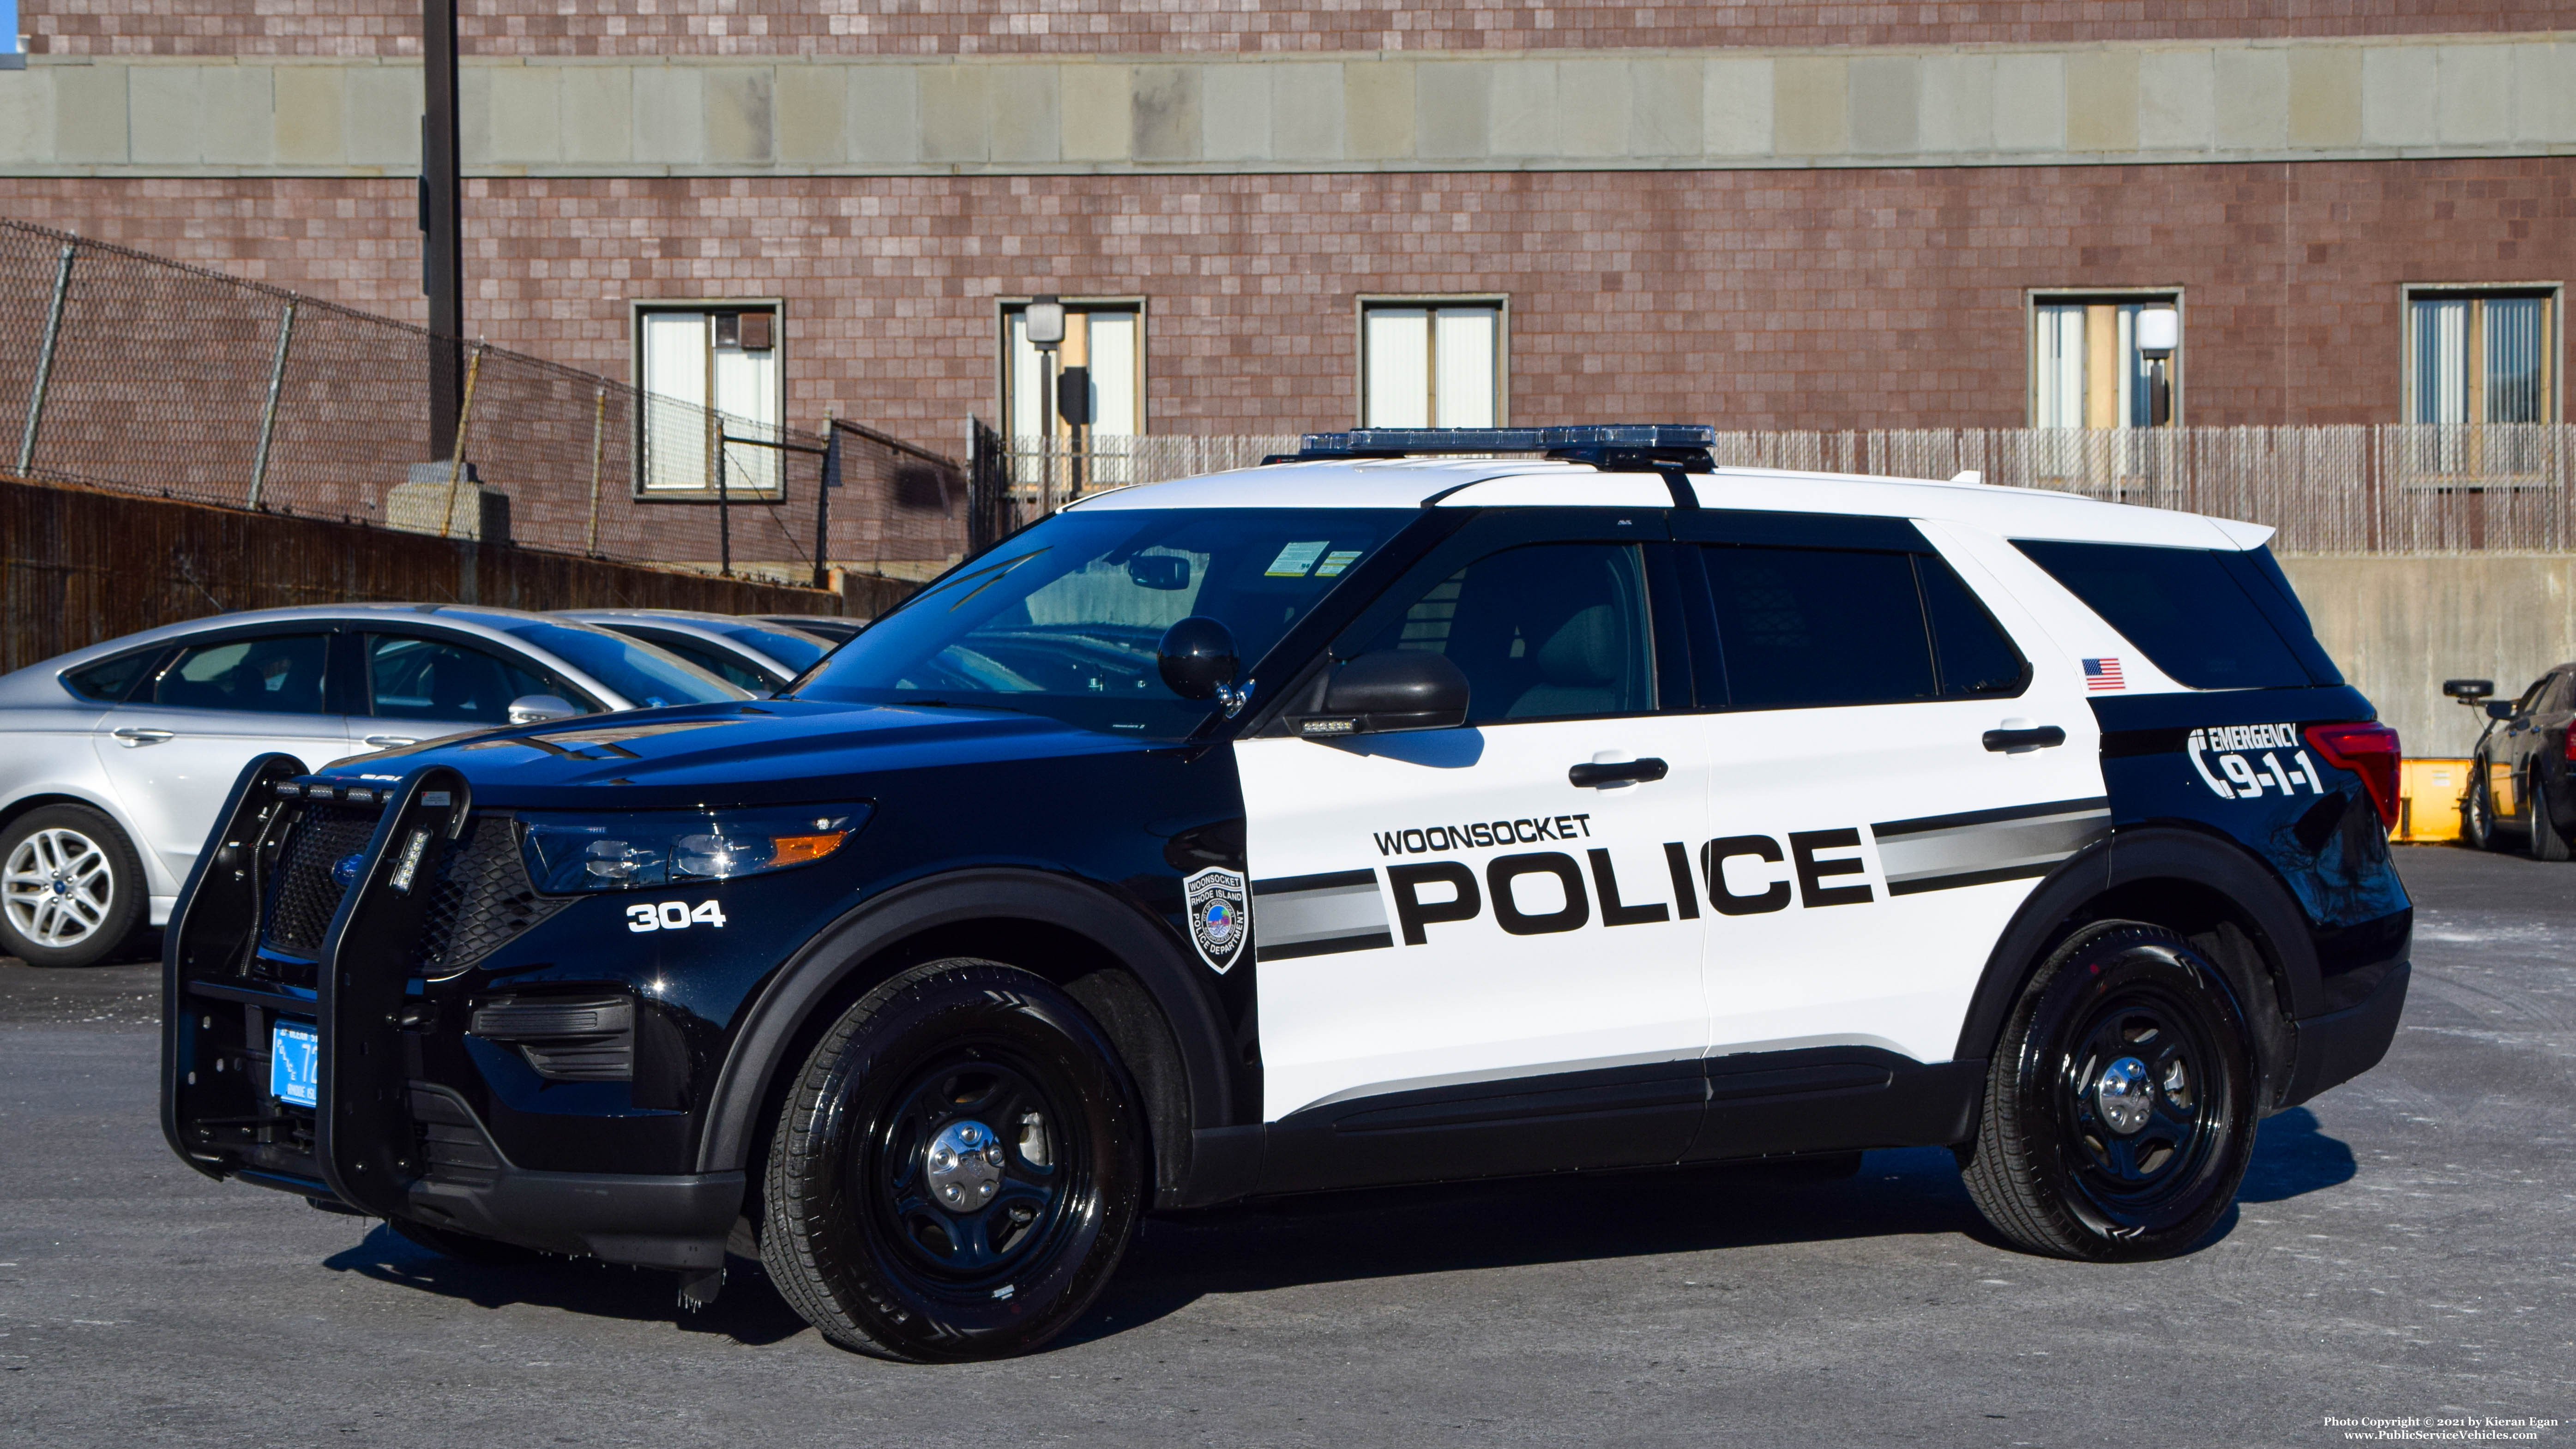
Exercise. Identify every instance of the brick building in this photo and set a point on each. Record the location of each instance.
(1285, 215)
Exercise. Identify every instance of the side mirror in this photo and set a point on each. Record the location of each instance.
(2499, 709)
(1390, 690)
(1197, 660)
(1159, 571)
(2468, 691)
(538, 708)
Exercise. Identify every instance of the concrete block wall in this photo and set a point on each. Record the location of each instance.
(2400, 626)
(1004, 27)
(821, 114)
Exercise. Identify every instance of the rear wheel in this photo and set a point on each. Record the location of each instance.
(2548, 842)
(2119, 1111)
(71, 887)
(957, 1169)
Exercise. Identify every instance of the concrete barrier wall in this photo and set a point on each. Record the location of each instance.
(2400, 625)
(77, 567)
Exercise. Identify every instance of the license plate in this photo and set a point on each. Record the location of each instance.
(294, 1065)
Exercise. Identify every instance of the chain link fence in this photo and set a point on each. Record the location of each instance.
(131, 373)
(2362, 488)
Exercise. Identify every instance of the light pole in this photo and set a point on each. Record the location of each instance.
(2159, 333)
(1044, 321)
(442, 248)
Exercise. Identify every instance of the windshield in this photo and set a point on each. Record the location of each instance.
(647, 676)
(1063, 619)
(796, 650)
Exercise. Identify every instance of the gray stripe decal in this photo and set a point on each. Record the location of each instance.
(1973, 852)
(1341, 912)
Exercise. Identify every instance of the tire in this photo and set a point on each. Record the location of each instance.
(899, 1221)
(2052, 1168)
(2477, 810)
(2547, 841)
(71, 887)
(465, 1247)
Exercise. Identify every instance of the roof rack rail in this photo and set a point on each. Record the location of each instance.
(1612, 447)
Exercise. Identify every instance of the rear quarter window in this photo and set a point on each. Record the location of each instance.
(2194, 612)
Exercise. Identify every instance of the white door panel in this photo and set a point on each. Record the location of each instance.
(171, 768)
(1570, 953)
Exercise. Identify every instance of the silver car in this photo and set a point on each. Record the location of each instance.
(761, 655)
(115, 759)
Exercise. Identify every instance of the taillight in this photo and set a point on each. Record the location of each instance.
(2569, 748)
(2368, 750)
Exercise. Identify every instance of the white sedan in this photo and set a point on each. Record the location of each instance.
(115, 759)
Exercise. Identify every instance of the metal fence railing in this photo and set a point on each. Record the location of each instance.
(2360, 488)
(132, 373)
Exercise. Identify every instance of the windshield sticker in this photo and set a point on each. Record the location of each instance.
(1336, 561)
(1295, 559)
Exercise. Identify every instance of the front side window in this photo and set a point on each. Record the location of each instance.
(1546, 631)
(436, 679)
(2088, 370)
(1432, 364)
(277, 673)
(708, 370)
(1063, 619)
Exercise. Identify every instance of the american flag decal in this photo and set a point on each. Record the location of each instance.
(2102, 674)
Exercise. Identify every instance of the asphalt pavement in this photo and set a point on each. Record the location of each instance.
(2404, 1247)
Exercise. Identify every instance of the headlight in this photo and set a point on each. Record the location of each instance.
(632, 851)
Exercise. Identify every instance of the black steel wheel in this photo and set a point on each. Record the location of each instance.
(2477, 810)
(2547, 841)
(71, 887)
(956, 1170)
(2119, 1111)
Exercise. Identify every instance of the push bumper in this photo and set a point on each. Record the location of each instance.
(2341, 1045)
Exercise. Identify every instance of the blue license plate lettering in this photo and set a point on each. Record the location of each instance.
(294, 1065)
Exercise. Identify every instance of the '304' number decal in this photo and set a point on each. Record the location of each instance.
(672, 915)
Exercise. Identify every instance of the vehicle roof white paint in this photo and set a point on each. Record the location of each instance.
(1510, 482)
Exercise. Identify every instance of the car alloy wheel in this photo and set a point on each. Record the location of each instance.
(71, 889)
(957, 1169)
(2119, 1112)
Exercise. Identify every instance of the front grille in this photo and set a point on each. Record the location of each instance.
(304, 896)
(481, 901)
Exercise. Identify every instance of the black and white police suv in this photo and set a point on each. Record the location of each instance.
(1366, 817)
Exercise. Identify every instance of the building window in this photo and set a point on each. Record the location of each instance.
(2086, 367)
(2481, 357)
(1106, 340)
(708, 369)
(1433, 363)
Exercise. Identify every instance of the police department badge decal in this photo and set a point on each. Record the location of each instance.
(1220, 916)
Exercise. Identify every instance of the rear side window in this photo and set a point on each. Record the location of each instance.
(1808, 626)
(2185, 607)
(110, 680)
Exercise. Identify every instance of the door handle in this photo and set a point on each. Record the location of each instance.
(134, 735)
(1624, 772)
(388, 742)
(2041, 738)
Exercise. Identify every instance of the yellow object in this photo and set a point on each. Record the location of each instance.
(2428, 800)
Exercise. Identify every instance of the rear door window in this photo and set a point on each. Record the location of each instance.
(2185, 608)
(1801, 627)
(270, 674)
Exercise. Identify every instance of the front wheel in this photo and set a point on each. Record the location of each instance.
(2548, 842)
(2477, 810)
(956, 1170)
(71, 887)
(2119, 1111)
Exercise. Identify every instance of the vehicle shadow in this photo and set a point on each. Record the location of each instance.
(747, 1311)
(1387, 1232)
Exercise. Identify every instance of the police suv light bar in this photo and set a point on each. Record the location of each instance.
(1619, 446)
